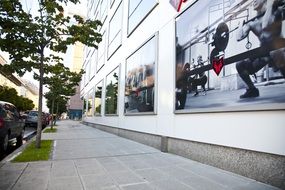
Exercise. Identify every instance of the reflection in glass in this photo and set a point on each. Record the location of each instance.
(140, 79)
(85, 106)
(138, 9)
(90, 103)
(111, 99)
(98, 98)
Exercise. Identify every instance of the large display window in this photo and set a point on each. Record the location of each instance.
(90, 103)
(140, 79)
(111, 95)
(98, 98)
(230, 56)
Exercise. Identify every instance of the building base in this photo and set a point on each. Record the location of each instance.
(263, 167)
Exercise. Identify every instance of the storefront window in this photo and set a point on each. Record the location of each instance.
(98, 98)
(111, 99)
(89, 103)
(140, 79)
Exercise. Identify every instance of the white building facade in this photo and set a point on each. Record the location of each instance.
(131, 85)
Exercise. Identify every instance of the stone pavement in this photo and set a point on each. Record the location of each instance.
(87, 158)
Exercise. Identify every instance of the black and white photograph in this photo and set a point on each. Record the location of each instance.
(140, 79)
(230, 56)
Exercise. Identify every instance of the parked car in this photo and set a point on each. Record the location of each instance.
(12, 126)
(32, 119)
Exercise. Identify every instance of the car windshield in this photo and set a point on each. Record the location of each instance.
(33, 113)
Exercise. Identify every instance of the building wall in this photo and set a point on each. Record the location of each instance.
(75, 101)
(6, 82)
(260, 131)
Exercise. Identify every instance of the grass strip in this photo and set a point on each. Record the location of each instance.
(31, 153)
(50, 130)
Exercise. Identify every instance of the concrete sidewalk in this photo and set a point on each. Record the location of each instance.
(87, 158)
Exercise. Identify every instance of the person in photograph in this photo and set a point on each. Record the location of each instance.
(199, 79)
(267, 27)
(181, 85)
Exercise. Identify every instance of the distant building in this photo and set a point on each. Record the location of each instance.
(30, 91)
(24, 87)
(75, 104)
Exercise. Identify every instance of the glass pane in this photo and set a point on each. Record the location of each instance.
(90, 103)
(111, 99)
(115, 43)
(115, 31)
(103, 11)
(140, 79)
(101, 52)
(98, 98)
(133, 4)
(139, 13)
(93, 63)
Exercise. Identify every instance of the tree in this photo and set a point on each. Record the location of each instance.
(60, 103)
(11, 95)
(27, 38)
(62, 84)
(24, 104)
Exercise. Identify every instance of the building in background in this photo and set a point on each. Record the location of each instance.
(75, 103)
(24, 87)
(152, 80)
(30, 91)
(74, 60)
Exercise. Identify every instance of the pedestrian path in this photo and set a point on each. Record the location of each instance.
(85, 158)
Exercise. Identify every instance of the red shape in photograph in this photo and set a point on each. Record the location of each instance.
(218, 65)
(177, 4)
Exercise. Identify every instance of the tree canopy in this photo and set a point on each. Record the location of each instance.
(8, 94)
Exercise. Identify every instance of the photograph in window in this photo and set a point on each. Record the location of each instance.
(140, 79)
(230, 56)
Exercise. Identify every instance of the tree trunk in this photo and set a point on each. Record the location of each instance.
(39, 128)
(52, 108)
(56, 111)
